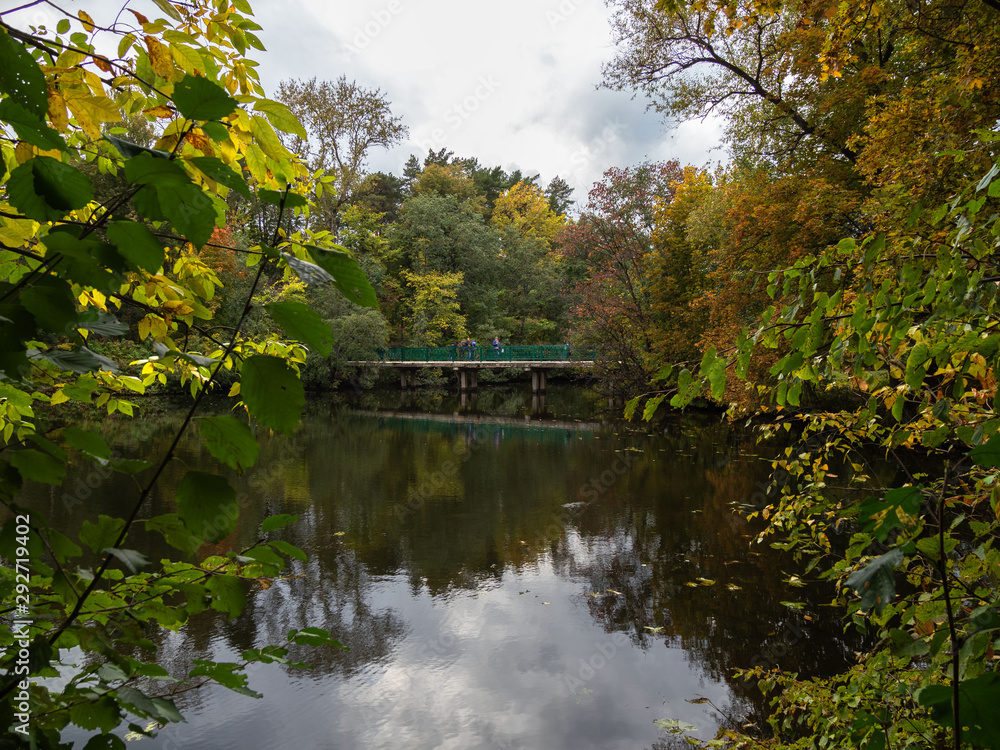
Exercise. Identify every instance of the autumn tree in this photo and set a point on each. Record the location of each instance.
(73, 262)
(612, 241)
(344, 122)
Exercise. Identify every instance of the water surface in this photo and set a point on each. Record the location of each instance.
(506, 575)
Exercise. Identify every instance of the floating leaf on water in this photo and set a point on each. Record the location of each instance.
(615, 593)
(706, 581)
(339, 533)
(793, 605)
(651, 629)
(733, 587)
(675, 726)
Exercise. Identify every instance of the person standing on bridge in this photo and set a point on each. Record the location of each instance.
(496, 346)
(472, 349)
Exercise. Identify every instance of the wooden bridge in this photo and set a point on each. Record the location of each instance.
(468, 361)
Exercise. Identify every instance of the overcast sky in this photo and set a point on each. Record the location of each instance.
(511, 83)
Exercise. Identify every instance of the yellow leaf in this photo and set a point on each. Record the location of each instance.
(57, 110)
(235, 390)
(58, 397)
(159, 58)
(266, 138)
(160, 110)
(187, 58)
(257, 163)
(88, 22)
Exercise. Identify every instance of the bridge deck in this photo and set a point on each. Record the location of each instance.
(459, 364)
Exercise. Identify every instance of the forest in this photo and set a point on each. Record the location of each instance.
(168, 224)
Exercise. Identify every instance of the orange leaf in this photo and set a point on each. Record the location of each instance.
(138, 16)
(102, 62)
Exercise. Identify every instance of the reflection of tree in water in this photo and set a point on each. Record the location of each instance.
(334, 595)
(680, 570)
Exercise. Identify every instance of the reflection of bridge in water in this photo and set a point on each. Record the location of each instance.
(468, 361)
(542, 430)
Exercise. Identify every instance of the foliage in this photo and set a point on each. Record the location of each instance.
(907, 320)
(343, 123)
(612, 242)
(152, 249)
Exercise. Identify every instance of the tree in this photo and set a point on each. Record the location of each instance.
(68, 266)
(761, 73)
(558, 192)
(344, 122)
(612, 241)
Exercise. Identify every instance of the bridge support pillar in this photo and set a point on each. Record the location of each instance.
(407, 378)
(538, 381)
(468, 380)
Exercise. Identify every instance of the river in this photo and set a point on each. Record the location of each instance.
(502, 579)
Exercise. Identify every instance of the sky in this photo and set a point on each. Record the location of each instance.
(511, 83)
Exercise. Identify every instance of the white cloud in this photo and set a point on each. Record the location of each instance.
(511, 84)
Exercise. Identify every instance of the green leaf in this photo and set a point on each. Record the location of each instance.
(104, 324)
(226, 674)
(198, 98)
(170, 194)
(987, 454)
(129, 149)
(30, 128)
(876, 581)
(167, 710)
(897, 510)
(675, 726)
(302, 323)
(175, 533)
(281, 117)
(347, 275)
(130, 558)
(272, 392)
(103, 534)
(21, 78)
(651, 406)
(264, 556)
(230, 441)
(289, 549)
(45, 189)
(170, 10)
(283, 199)
(105, 742)
(88, 442)
(137, 244)
(206, 503)
(314, 637)
(227, 594)
(36, 466)
(915, 370)
(75, 360)
(97, 715)
(273, 523)
(222, 173)
(977, 702)
(52, 303)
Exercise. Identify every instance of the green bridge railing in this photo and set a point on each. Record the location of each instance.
(548, 353)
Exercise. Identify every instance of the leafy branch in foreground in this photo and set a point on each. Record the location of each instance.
(904, 324)
(74, 256)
